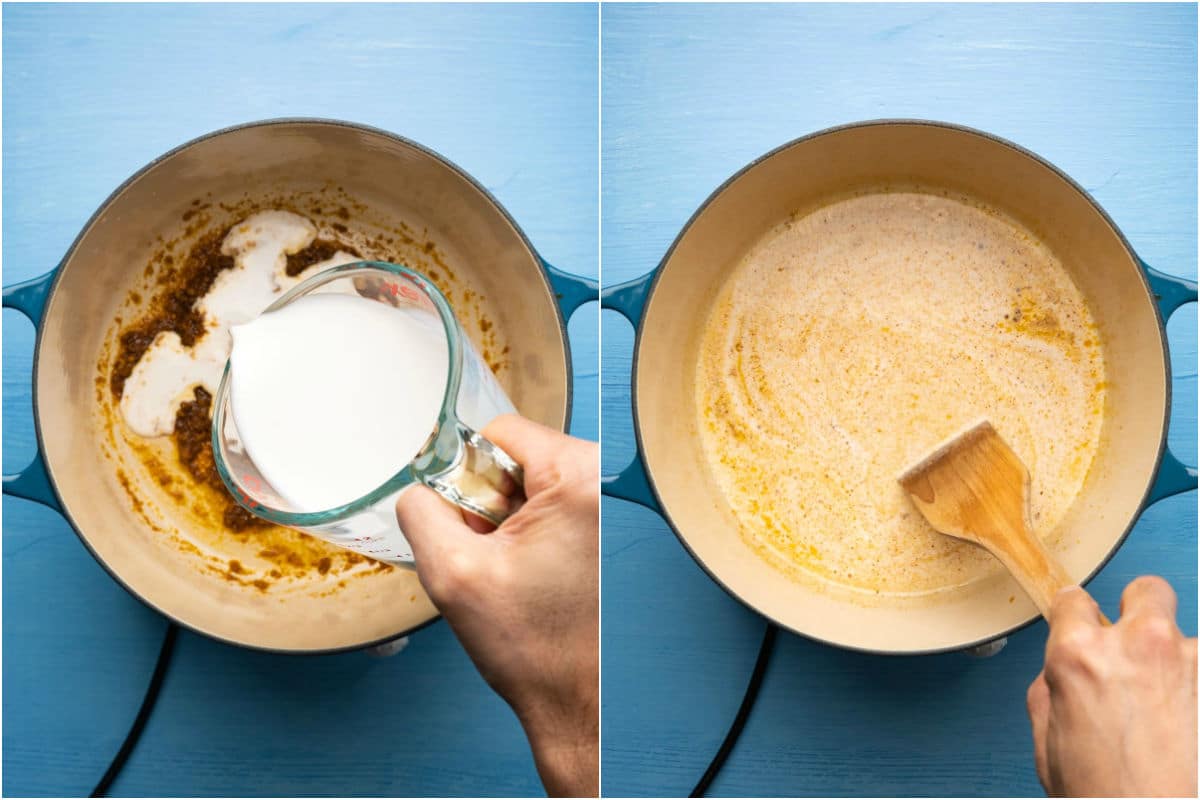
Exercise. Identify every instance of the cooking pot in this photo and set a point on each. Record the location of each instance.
(669, 474)
(394, 187)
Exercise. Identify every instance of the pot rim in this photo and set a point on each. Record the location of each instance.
(883, 122)
(83, 231)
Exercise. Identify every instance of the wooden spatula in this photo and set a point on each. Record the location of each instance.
(974, 487)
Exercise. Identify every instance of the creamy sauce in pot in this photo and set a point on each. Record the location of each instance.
(850, 341)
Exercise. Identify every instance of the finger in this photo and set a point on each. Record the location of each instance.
(1075, 625)
(1073, 607)
(532, 443)
(548, 456)
(477, 523)
(1149, 595)
(1037, 703)
(523, 439)
(432, 525)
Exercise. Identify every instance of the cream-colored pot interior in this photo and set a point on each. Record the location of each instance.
(797, 177)
(396, 181)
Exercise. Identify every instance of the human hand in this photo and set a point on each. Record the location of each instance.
(1114, 709)
(524, 599)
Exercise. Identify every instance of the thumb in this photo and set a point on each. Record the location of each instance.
(432, 526)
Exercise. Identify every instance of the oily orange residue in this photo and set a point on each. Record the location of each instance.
(1031, 317)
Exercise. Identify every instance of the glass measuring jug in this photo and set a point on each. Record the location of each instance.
(455, 461)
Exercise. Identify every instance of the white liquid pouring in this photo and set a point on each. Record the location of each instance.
(333, 394)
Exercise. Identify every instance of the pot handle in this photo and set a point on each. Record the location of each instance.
(31, 483)
(1170, 293)
(571, 291)
(631, 483)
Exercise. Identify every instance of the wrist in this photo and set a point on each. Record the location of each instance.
(565, 740)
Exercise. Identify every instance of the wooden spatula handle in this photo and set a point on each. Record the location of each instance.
(1037, 570)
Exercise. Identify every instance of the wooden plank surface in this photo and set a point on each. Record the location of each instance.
(690, 94)
(91, 93)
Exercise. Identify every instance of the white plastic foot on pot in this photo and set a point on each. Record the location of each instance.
(987, 649)
(388, 648)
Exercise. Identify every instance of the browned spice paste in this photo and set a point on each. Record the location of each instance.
(319, 250)
(172, 309)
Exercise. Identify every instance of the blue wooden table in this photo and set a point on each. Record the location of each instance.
(91, 93)
(692, 93)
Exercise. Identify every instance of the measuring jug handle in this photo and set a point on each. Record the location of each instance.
(482, 479)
